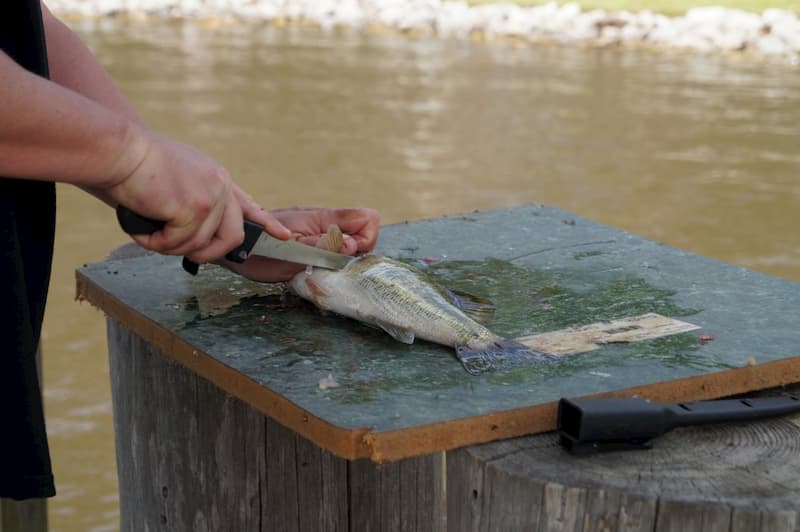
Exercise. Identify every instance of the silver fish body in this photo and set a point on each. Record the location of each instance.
(404, 302)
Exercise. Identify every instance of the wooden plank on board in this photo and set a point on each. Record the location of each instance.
(594, 336)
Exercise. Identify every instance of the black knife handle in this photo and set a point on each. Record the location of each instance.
(136, 224)
(591, 425)
(251, 233)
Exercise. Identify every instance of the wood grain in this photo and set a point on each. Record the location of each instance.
(723, 477)
(192, 457)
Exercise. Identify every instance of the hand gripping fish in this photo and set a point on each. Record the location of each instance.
(404, 302)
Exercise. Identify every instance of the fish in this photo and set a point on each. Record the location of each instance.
(407, 304)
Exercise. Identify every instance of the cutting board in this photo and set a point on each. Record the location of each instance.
(625, 315)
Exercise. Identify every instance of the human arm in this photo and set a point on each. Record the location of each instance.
(72, 65)
(80, 129)
(94, 140)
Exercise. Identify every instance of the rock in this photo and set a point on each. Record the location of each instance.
(787, 30)
(770, 44)
(773, 16)
(773, 32)
(694, 42)
(455, 18)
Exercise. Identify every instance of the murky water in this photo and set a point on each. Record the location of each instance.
(702, 153)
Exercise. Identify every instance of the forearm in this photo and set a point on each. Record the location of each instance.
(73, 65)
(78, 128)
(49, 132)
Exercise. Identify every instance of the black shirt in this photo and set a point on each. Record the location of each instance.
(27, 227)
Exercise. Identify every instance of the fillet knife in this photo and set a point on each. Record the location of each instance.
(256, 242)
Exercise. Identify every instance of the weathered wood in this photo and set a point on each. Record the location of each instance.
(585, 338)
(192, 443)
(563, 508)
(677, 516)
(727, 477)
(322, 488)
(29, 515)
(399, 496)
(464, 492)
(635, 513)
(191, 457)
(23, 516)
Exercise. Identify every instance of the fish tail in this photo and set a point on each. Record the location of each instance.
(500, 355)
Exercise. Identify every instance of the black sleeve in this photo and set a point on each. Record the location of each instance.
(27, 227)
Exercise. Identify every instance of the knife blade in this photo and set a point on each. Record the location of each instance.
(256, 242)
(267, 245)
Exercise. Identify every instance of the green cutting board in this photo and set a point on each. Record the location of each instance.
(545, 269)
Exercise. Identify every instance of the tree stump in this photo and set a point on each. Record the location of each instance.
(191, 457)
(726, 477)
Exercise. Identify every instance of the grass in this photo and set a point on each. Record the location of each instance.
(667, 7)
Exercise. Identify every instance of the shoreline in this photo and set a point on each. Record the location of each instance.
(772, 34)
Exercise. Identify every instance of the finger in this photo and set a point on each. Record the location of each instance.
(168, 240)
(299, 208)
(349, 245)
(362, 224)
(178, 229)
(204, 229)
(229, 233)
(254, 212)
(270, 224)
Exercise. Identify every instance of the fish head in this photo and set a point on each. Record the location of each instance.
(308, 285)
(323, 287)
(318, 284)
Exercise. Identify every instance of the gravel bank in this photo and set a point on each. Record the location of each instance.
(773, 33)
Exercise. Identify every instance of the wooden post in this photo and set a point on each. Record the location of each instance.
(191, 457)
(728, 477)
(23, 516)
(30, 515)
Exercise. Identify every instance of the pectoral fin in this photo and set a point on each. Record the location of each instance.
(398, 333)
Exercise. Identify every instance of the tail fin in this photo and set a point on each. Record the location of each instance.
(502, 355)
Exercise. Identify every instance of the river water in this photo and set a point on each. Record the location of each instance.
(699, 152)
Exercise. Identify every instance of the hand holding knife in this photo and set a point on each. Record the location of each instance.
(256, 242)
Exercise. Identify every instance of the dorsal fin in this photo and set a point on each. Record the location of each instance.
(478, 308)
(333, 240)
